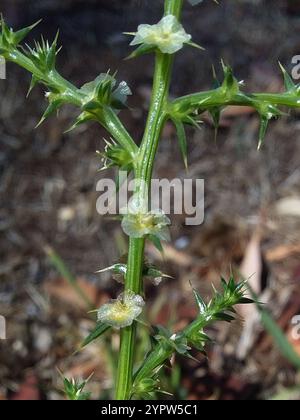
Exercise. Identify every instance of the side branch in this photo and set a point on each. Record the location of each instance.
(97, 100)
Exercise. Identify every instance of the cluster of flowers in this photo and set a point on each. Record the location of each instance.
(138, 222)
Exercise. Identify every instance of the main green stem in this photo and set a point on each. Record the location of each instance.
(143, 172)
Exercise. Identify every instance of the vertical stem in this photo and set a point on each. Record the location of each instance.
(144, 167)
(128, 334)
(163, 66)
(173, 7)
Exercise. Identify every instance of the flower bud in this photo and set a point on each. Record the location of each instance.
(101, 92)
(145, 387)
(115, 155)
(150, 272)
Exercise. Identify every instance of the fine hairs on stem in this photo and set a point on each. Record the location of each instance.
(102, 100)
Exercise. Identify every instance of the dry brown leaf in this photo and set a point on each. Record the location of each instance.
(251, 269)
(171, 254)
(281, 252)
(62, 290)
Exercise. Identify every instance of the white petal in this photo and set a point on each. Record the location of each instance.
(169, 23)
(168, 35)
(121, 312)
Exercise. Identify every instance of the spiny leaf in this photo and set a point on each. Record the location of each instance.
(198, 340)
(216, 83)
(264, 122)
(224, 283)
(221, 316)
(74, 389)
(9, 38)
(4, 28)
(182, 140)
(53, 106)
(96, 333)
(246, 301)
(192, 121)
(33, 83)
(194, 45)
(240, 287)
(288, 81)
(204, 337)
(152, 271)
(231, 284)
(141, 50)
(156, 242)
(51, 56)
(216, 116)
(43, 55)
(200, 302)
(230, 84)
(22, 33)
(81, 119)
(116, 269)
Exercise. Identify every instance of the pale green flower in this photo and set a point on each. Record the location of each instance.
(138, 222)
(168, 35)
(149, 272)
(103, 91)
(121, 312)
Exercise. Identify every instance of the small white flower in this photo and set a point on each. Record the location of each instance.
(138, 222)
(168, 35)
(121, 312)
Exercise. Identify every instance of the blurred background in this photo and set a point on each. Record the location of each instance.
(48, 218)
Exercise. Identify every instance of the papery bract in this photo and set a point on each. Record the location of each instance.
(138, 223)
(168, 35)
(121, 312)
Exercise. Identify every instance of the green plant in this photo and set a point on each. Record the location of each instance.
(75, 389)
(278, 335)
(101, 100)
